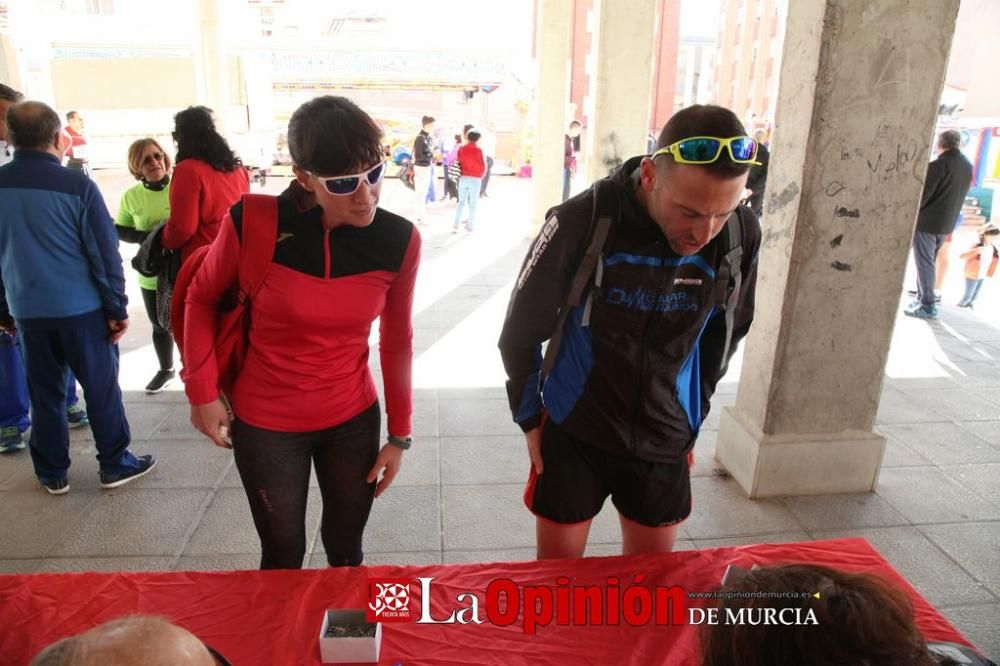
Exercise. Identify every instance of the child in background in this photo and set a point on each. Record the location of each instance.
(470, 156)
(452, 170)
(980, 263)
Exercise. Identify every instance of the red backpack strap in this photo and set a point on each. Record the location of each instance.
(260, 231)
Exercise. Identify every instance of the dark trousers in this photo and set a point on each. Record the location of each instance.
(163, 342)
(451, 188)
(486, 177)
(14, 404)
(925, 250)
(274, 467)
(567, 180)
(52, 348)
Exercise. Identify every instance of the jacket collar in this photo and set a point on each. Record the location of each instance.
(29, 154)
(633, 211)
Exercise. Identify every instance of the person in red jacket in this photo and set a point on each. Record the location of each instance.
(305, 395)
(470, 156)
(208, 178)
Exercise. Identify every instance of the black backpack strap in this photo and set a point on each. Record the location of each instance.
(729, 280)
(601, 222)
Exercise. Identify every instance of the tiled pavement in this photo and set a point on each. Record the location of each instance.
(935, 515)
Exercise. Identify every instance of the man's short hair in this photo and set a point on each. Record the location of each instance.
(32, 125)
(70, 115)
(575, 123)
(331, 136)
(705, 120)
(474, 135)
(62, 653)
(950, 140)
(8, 94)
(426, 120)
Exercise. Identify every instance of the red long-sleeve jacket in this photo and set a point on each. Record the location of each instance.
(307, 364)
(199, 199)
(470, 156)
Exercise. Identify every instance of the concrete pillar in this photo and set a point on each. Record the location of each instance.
(622, 87)
(551, 100)
(860, 84)
(210, 64)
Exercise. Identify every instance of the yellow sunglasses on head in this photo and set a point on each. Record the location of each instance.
(707, 149)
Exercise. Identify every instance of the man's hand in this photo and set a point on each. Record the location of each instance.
(7, 325)
(390, 458)
(534, 439)
(117, 328)
(212, 420)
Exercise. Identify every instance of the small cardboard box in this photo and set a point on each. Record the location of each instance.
(342, 650)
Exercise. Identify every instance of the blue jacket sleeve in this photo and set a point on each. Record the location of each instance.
(101, 243)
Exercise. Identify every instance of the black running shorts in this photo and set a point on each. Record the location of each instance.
(577, 477)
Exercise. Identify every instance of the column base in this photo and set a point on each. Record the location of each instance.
(797, 464)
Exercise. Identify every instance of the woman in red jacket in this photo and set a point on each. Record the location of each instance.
(208, 178)
(305, 395)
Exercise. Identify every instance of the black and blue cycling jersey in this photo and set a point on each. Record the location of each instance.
(639, 377)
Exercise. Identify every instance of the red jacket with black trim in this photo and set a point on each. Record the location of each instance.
(307, 364)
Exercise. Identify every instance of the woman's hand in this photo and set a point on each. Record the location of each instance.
(212, 420)
(390, 458)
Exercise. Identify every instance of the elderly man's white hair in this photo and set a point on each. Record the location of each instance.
(130, 641)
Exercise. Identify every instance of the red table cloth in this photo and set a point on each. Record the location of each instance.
(274, 617)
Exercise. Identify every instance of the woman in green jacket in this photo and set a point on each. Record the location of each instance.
(142, 208)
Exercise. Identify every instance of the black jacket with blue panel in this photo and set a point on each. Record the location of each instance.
(638, 379)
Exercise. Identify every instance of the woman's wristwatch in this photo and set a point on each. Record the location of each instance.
(401, 442)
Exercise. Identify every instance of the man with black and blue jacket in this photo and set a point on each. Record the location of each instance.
(640, 355)
(63, 289)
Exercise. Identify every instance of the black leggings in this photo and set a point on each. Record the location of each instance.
(274, 467)
(163, 342)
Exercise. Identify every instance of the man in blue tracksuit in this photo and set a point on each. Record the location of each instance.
(62, 289)
(669, 297)
(13, 387)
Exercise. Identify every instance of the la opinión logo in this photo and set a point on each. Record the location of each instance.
(506, 602)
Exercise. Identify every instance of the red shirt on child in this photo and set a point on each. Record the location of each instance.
(470, 156)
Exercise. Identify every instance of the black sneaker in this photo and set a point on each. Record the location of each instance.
(57, 487)
(160, 381)
(110, 480)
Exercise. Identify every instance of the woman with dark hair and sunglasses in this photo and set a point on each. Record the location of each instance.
(142, 208)
(208, 179)
(305, 396)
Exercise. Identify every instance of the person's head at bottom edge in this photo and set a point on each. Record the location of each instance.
(813, 615)
(129, 641)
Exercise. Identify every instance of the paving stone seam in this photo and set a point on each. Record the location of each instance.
(202, 510)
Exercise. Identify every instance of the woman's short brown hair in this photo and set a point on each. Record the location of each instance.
(135, 152)
(331, 136)
(861, 619)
